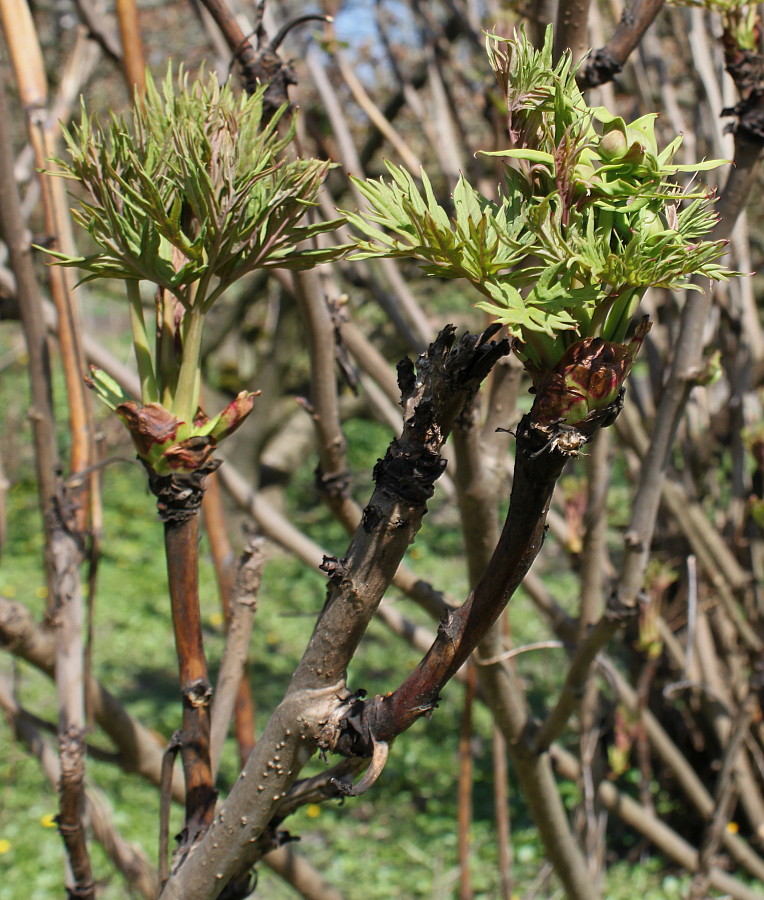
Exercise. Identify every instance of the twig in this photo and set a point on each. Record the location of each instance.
(165, 802)
(127, 858)
(725, 795)
(594, 559)
(605, 63)
(295, 869)
(233, 665)
(718, 680)
(403, 309)
(465, 785)
(333, 478)
(215, 519)
(363, 99)
(139, 750)
(658, 833)
(100, 29)
(685, 366)
(691, 785)
(518, 651)
(134, 64)
(501, 813)
(63, 553)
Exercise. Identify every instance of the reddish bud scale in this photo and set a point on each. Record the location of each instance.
(589, 377)
(168, 446)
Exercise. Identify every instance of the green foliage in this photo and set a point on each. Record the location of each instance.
(196, 192)
(588, 217)
(197, 188)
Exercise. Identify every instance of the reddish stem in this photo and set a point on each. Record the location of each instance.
(182, 549)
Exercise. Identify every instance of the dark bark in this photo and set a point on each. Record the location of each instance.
(434, 393)
(538, 465)
(604, 64)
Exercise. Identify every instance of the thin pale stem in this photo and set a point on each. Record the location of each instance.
(149, 390)
(186, 400)
(166, 351)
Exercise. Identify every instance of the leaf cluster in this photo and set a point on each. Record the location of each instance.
(588, 216)
(193, 190)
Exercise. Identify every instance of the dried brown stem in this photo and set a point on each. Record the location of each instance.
(214, 520)
(295, 869)
(658, 833)
(362, 98)
(686, 364)
(63, 553)
(101, 29)
(243, 606)
(332, 476)
(665, 748)
(139, 750)
(604, 64)
(29, 71)
(134, 63)
(403, 309)
(260, 63)
(725, 796)
(127, 859)
(594, 557)
(465, 784)
(165, 804)
(501, 813)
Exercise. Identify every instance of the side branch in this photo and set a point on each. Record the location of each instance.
(539, 463)
(604, 64)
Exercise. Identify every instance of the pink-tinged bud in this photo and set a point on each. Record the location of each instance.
(233, 415)
(587, 379)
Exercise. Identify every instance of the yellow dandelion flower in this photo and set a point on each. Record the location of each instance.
(732, 828)
(10, 591)
(48, 820)
(41, 593)
(217, 619)
(313, 810)
(5, 846)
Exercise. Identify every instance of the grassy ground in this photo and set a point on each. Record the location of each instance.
(398, 841)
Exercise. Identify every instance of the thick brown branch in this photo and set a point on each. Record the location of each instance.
(434, 395)
(604, 64)
(538, 465)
